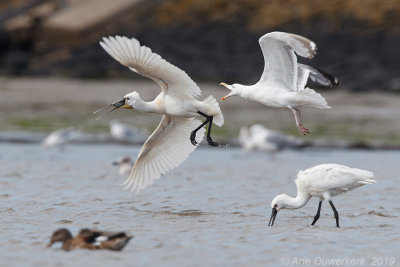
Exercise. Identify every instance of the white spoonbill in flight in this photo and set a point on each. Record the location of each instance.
(179, 131)
(282, 84)
(323, 181)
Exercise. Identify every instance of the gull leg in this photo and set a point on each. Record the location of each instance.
(316, 217)
(336, 213)
(297, 117)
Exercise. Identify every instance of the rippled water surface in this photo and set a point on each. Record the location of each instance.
(211, 211)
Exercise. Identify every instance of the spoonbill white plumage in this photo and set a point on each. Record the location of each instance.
(169, 144)
(282, 84)
(323, 181)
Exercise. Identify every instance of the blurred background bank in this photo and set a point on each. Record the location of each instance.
(54, 74)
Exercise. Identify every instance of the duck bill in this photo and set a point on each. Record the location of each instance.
(50, 244)
(273, 216)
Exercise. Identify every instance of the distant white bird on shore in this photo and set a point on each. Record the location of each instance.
(125, 133)
(257, 137)
(60, 138)
(282, 84)
(179, 131)
(125, 165)
(323, 181)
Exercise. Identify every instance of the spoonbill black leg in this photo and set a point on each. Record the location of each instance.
(209, 139)
(208, 120)
(297, 117)
(335, 213)
(316, 217)
(193, 134)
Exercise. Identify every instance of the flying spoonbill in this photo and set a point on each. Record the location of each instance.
(179, 131)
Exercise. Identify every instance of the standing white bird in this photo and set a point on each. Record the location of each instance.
(282, 84)
(60, 138)
(125, 133)
(323, 181)
(169, 144)
(258, 137)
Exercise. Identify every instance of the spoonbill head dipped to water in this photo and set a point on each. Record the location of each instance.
(283, 81)
(179, 130)
(323, 181)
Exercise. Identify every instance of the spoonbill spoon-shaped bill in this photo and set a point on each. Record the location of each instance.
(323, 181)
(283, 81)
(179, 131)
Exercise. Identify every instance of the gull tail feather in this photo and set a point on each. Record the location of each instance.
(312, 98)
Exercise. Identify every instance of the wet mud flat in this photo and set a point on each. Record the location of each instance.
(212, 210)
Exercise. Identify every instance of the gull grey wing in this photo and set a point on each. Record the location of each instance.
(280, 62)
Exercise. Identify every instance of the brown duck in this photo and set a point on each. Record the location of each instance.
(90, 239)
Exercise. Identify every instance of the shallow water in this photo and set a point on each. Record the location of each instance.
(210, 211)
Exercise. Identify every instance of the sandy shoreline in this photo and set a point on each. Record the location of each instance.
(42, 105)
